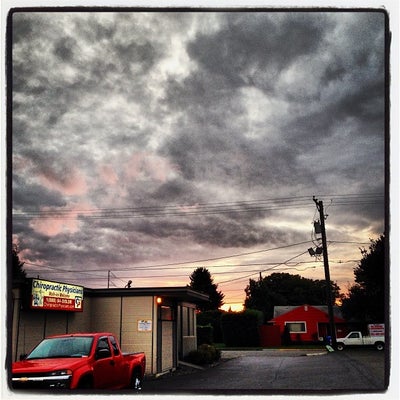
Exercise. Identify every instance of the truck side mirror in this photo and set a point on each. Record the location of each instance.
(103, 353)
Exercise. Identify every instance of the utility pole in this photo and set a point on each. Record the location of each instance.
(108, 279)
(320, 208)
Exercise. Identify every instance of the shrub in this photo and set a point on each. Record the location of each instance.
(205, 354)
(213, 318)
(205, 334)
(241, 329)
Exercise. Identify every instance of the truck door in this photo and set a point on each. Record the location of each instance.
(104, 366)
(121, 368)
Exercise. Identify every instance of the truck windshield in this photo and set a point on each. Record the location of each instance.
(62, 347)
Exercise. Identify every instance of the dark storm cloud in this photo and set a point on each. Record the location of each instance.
(229, 59)
(256, 46)
(28, 196)
(177, 191)
(64, 49)
(232, 230)
(174, 111)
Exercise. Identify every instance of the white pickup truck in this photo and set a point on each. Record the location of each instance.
(355, 338)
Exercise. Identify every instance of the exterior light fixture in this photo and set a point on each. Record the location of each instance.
(159, 300)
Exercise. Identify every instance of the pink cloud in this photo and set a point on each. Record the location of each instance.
(20, 164)
(146, 166)
(108, 175)
(70, 182)
(15, 240)
(26, 255)
(62, 220)
(71, 185)
(187, 208)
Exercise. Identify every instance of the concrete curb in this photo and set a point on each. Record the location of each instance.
(317, 354)
(194, 366)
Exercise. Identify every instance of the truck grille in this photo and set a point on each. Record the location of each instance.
(40, 381)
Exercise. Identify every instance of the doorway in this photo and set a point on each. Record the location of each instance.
(166, 338)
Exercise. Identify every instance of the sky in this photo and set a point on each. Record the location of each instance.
(148, 144)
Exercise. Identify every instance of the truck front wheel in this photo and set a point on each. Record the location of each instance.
(136, 381)
(379, 346)
(340, 346)
(86, 382)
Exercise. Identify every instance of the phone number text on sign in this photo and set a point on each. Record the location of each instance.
(48, 295)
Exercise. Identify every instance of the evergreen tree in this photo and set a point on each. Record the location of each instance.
(366, 298)
(18, 272)
(201, 281)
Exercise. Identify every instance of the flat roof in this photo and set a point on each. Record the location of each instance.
(179, 293)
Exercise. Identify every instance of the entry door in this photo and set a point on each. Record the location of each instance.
(166, 343)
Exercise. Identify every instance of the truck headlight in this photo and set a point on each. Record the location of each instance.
(62, 372)
(60, 379)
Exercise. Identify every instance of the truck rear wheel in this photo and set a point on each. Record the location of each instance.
(136, 381)
(379, 346)
(340, 346)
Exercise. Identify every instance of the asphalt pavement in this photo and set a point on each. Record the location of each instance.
(279, 372)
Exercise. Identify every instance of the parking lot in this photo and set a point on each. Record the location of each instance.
(280, 371)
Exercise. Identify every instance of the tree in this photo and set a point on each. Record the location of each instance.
(18, 272)
(365, 300)
(285, 289)
(201, 280)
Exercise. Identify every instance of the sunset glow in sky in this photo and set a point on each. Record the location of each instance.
(148, 144)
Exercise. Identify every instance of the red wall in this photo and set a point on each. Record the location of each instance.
(270, 336)
(313, 317)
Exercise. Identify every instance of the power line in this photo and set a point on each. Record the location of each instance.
(197, 209)
(163, 266)
(164, 210)
(264, 270)
(285, 265)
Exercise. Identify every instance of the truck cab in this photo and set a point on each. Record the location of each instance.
(79, 361)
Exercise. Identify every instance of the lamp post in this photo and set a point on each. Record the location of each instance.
(320, 208)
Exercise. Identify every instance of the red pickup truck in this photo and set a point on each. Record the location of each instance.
(79, 361)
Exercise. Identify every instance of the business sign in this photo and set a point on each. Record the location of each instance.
(376, 329)
(144, 325)
(56, 296)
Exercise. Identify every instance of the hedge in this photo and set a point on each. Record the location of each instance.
(213, 318)
(205, 334)
(241, 329)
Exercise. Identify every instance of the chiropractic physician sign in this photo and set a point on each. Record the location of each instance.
(47, 295)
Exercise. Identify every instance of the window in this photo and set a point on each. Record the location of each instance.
(188, 321)
(166, 313)
(103, 344)
(114, 345)
(296, 327)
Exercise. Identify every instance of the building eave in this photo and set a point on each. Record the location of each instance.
(180, 293)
